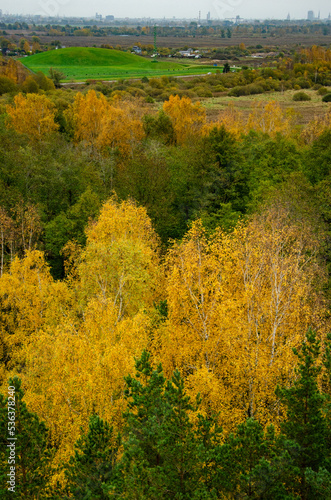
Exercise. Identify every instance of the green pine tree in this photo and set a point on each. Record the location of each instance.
(305, 423)
(29, 446)
(253, 464)
(91, 473)
(164, 455)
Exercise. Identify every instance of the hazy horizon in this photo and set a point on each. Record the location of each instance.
(219, 9)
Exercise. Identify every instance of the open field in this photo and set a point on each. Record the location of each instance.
(80, 64)
(304, 111)
(201, 42)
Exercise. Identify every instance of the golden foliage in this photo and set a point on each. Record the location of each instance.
(230, 118)
(93, 327)
(120, 261)
(187, 118)
(237, 305)
(27, 302)
(268, 118)
(316, 127)
(14, 70)
(102, 124)
(32, 115)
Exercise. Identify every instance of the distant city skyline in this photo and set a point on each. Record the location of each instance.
(219, 9)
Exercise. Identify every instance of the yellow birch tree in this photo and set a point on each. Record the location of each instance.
(32, 115)
(187, 118)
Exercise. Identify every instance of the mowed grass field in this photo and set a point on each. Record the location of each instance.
(90, 63)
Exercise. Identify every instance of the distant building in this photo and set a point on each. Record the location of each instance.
(310, 15)
(208, 16)
(288, 17)
(110, 18)
(0, 12)
(98, 17)
(136, 49)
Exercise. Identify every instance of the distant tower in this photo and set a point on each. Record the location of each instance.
(319, 15)
(199, 17)
(310, 16)
(208, 17)
(288, 17)
(155, 47)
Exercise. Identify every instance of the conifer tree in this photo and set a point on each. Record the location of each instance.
(305, 423)
(30, 450)
(163, 453)
(92, 470)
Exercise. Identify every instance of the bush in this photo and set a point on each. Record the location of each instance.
(7, 85)
(203, 91)
(301, 96)
(251, 89)
(322, 91)
(327, 98)
(304, 84)
(30, 86)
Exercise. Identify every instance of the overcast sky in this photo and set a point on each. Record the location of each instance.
(219, 9)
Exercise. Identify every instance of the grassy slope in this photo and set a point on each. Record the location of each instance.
(80, 63)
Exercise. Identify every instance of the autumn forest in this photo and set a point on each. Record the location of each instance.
(165, 288)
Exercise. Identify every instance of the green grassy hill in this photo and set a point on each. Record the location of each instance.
(81, 63)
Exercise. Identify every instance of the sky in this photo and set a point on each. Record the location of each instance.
(219, 9)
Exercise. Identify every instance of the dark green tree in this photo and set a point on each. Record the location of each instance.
(163, 454)
(30, 451)
(252, 464)
(91, 472)
(226, 68)
(305, 423)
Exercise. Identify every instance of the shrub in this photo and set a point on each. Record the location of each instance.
(301, 96)
(304, 84)
(203, 91)
(251, 89)
(30, 86)
(322, 91)
(7, 85)
(327, 98)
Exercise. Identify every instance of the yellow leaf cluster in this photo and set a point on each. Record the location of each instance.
(77, 339)
(237, 305)
(32, 115)
(120, 261)
(187, 118)
(232, 119)
(105, 125)
(268, 118)
(316, 127)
